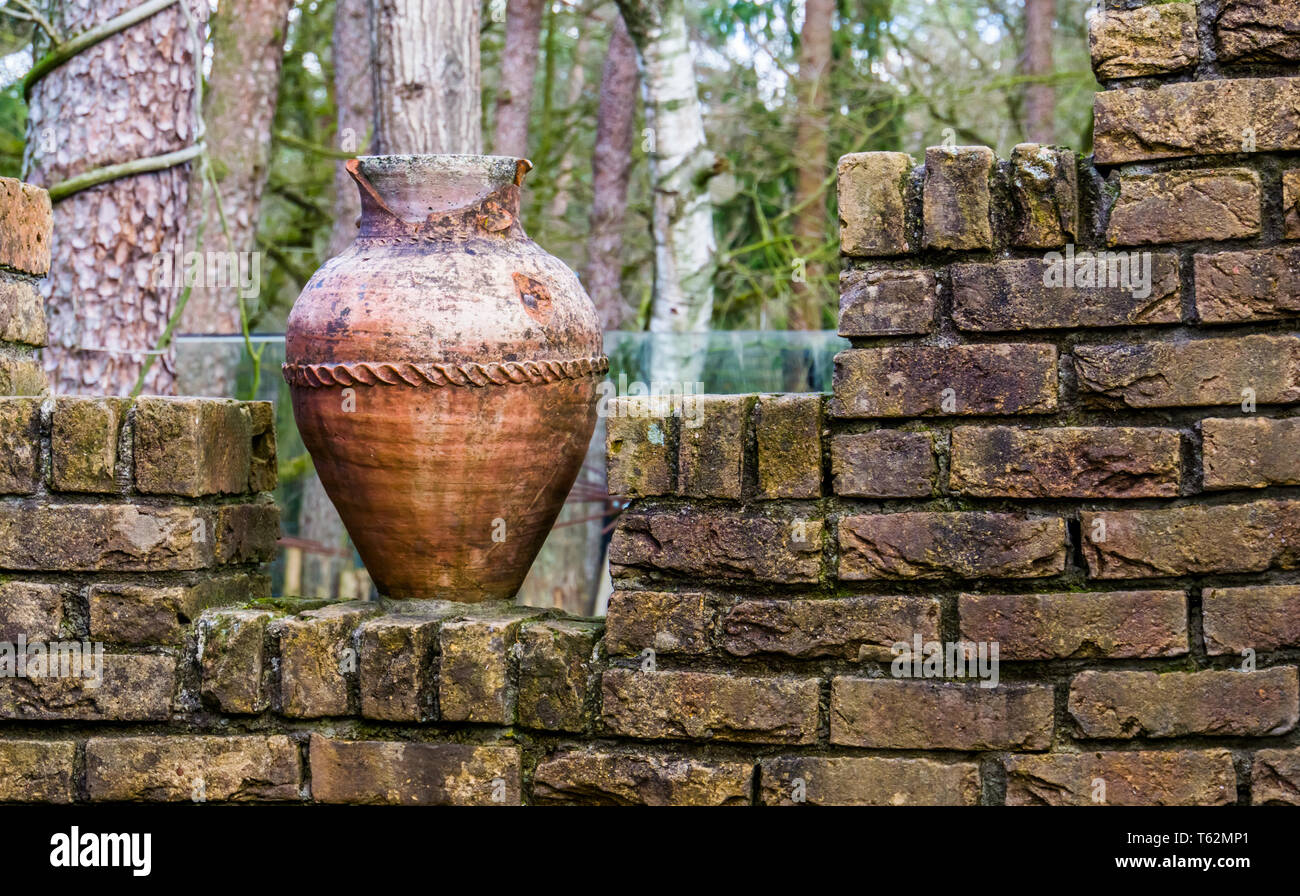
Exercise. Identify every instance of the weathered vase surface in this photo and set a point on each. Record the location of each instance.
(443, 373)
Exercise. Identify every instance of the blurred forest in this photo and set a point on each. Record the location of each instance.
(900, 76)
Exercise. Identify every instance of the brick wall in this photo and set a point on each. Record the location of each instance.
(1102, 480)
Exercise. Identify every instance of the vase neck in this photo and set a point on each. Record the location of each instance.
(438, 194)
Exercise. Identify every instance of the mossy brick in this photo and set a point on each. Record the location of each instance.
(399, 659)
(557, 673)
(663, 621)
(1259, 368)
(474, 666)
(1196, 118)
(1044, 185)
(956, 197)
(886, 302)
(864, 628)
(711, 451)
(1253, 284)
(1250, 452)
(873, 203)
(1066, 462)
(83, 443)
(883, 463)
(22, 310)
(609, 778)
(1183, 206)
(263, 473)
(1259, 618)
(37, 771)
(1077, 625)
(192, 447)
(967, 544)
(234, 666)
(20, 445)
(1257, 31)
(1191, 540)
(414, 773)
(31, 610)
(1155, 39)
(867, 781)
(21, 375)
(640, 447)
(1117, 705)
(26, 227)
(788, 430)
(134, 538)
(133, 688)
(1050, 293)
(933, 380)
(137, 614)
(708, 706)
(1123, 778)
(184, 769)
(317, 659)
(782, 548)
(913, 714)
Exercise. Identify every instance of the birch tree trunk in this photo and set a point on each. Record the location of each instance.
(812, 121)
(128, 97)
(611, 168)
(238, 110)
(518, 69)
(425, 66)
(680, 167)
(1040, 98)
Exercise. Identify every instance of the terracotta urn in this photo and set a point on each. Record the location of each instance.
(443, 372)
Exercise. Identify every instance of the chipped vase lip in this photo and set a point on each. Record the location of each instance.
(416, 186)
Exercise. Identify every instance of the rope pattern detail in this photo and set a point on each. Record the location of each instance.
(497, 373)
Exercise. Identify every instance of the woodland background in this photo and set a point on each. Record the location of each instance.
(785, 86)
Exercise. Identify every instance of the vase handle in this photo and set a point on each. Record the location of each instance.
(353, 167)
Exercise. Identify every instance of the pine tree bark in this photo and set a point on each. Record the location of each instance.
(128, 97)
(611, 168)
(238, 110)
(1040, 97)
(680, 167)
(425, 66)
(518, 69)
(811, 145)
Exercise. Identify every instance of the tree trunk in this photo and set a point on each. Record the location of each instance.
(238, 110)
(425, 66)
(1040, 98)
(680, 167)
(812, 122)
(356, 103)
(611, 168)
(518, 69)
(128, 97)
(577, 84)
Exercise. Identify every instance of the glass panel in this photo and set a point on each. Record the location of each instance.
(317, 559)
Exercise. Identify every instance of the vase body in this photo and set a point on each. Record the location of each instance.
(444, 372)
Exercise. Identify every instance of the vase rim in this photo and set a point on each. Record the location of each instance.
(413, 186)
